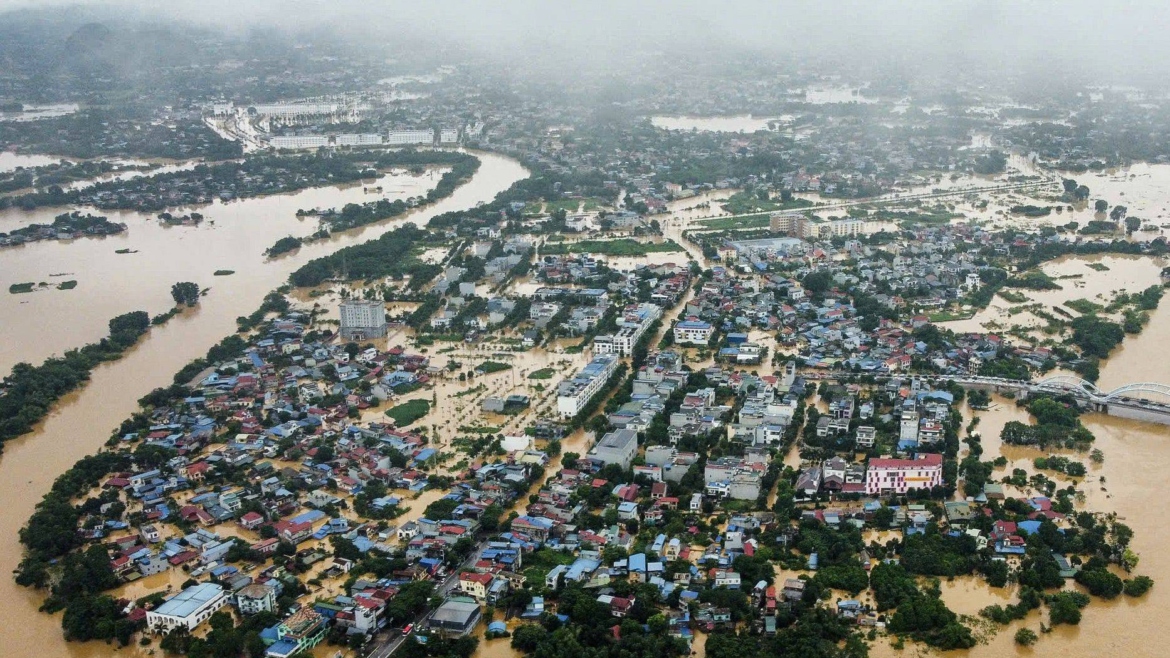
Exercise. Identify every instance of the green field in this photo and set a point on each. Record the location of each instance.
(406, 413)
(488, 367)
(725, 223)
(622, 247)
(18, 288)
(67, 285)
(543, 373)
(948, 316)
(744, 202)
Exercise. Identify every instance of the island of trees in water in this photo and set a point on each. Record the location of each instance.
(240, 179)
(65, 226)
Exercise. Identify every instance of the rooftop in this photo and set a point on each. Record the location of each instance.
(186, 602)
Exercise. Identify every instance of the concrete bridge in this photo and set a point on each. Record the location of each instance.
(1145, 401)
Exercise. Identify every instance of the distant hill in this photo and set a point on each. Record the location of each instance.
(95, 50)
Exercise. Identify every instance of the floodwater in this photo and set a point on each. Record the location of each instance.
(9, 161)
(1078, 280)
(826, 95)
(1133, 476)
(36, 112)
(233, 236)
(82, 420)
(742, 123)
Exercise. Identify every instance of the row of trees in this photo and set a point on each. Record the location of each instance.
(30, 391)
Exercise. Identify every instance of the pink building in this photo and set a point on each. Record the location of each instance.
(897, 476)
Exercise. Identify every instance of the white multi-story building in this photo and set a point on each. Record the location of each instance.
(618, 447)
(188, 608)
(631, 326)
(798, 225)
(448, 135)
(362, 320)
(573, 394)
(256, 598)
(298, 141)
(410, 137)
(692, 332)
(358, 139)
(296, 109)
(897, 476)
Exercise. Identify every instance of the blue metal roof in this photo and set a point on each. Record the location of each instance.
(189, 600)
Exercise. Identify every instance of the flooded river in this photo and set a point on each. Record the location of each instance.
(1136, 455)
(10, 161)
(84, 419)
(233, 236)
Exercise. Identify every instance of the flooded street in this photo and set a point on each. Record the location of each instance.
(234, 236)
(82, 421)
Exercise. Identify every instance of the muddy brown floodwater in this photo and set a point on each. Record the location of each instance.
(83, 420)
(1135, 475)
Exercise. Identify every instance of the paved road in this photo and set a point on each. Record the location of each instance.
(393, 639)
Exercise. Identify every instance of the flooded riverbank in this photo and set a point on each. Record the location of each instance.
(10, 161)
(82, 421)
(233, 236)
(1096, 278)
(1134, 473)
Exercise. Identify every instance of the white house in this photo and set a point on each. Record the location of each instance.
(188, 608)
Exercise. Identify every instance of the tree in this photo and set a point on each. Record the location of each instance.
(1132, 224)
(1138, 586)
(817, 282)
(1100, 582)
(1065, 608)
(1026, 637)
(185, 292)
(1101, 206)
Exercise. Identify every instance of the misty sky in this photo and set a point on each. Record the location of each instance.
(1103, 36)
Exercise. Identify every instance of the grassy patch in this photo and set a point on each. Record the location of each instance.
(568, 205)
(730, 223)
(948, 316)
(622, 247)
(1013, 297)
(743, 202)
(488, 367)
(406, 413)
(543, 373)
(67, 285)
(224, 272)
(539, 563)
(18, 288)
(1100, 267)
